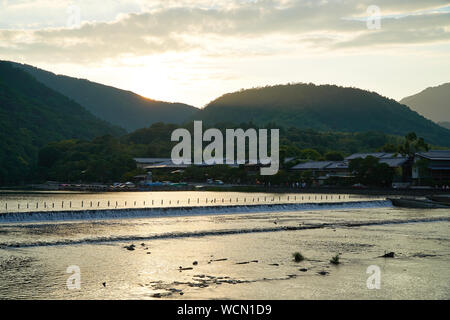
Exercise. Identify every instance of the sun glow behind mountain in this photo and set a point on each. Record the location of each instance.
(194, 51)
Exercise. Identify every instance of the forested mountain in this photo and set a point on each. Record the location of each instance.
(119, 107)
(313, 121)
(433, 102)
(324, 108)
(32, 115)
(444, 124)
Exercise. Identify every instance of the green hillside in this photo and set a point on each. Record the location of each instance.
(32, 115)
(119, 107)
(324, 108)
(433, 102)
(109, 159)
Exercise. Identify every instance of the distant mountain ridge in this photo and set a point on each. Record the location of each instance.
(32, 115)
(119, 107)
(325, 108)
(444, 124)
(433, 103)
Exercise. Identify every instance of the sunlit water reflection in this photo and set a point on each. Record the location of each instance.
(239, 254)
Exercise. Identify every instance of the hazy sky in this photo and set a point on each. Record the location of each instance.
(193, 51)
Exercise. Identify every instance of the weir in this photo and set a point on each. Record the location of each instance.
(109, 201)
(105, 214)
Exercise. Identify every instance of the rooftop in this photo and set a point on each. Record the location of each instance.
(312, 165)
(396, 162)
(150, 160)
(435, 155)
(336, 165)
(379, 155)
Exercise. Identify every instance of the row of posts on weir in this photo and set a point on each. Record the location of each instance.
(96, 204)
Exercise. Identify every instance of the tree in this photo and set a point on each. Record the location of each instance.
(310, 154)
(334, 156)
(369, 171)
(412, 144)
(389, 147)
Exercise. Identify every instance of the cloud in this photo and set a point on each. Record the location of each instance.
(413, 29)
(227, 27)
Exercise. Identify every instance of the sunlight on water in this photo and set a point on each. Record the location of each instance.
(237, 255)
(72, 201)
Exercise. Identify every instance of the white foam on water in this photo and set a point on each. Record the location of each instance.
(42, 216)
(205, 233)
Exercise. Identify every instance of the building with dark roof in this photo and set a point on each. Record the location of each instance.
(378, 155)
(312, 165)
(432, 165)
(323, 170)
(146, 162)
(323, 167)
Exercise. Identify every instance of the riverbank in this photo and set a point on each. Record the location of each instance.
(337, 190)
(251, 189)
